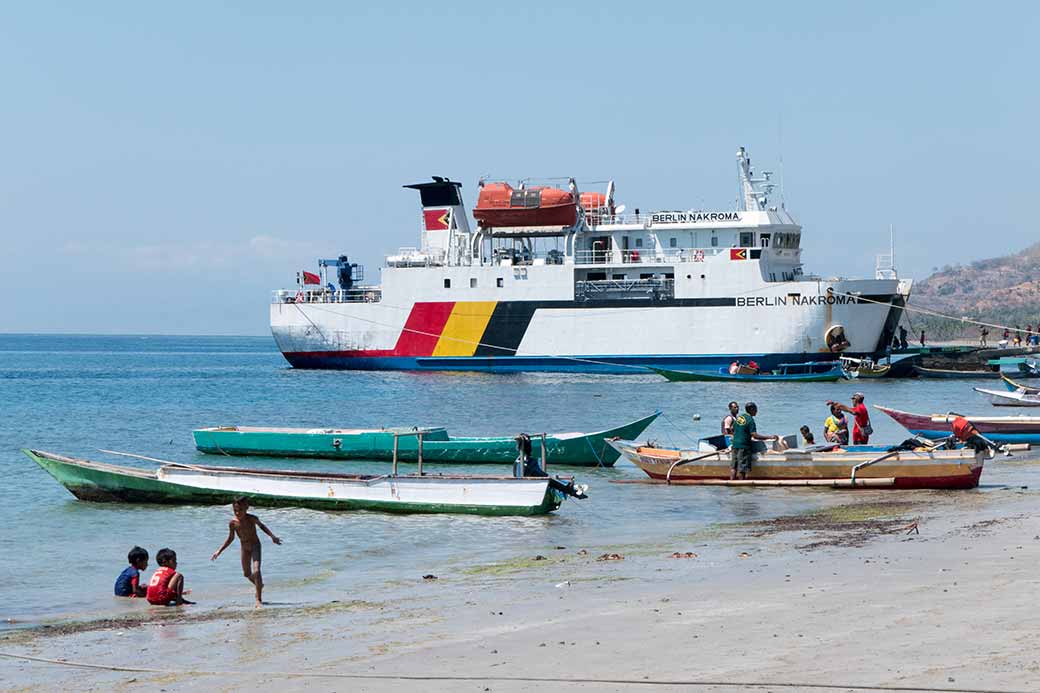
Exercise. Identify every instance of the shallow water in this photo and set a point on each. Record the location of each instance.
(74, 394)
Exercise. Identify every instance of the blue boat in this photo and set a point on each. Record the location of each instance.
(810, 371)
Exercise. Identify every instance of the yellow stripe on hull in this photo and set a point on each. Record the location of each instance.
(465, 326)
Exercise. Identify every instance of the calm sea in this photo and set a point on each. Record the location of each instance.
(75, 394)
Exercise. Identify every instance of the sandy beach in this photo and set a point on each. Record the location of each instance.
(852, 596)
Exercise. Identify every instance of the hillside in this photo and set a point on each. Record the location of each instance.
(1002, 290)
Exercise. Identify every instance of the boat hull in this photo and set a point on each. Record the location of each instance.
(701, 376)
(1005, 429)
(572, 449)
(184, 485)
(1009, 399)
(958, 469)
(944, 374)
(543, 326)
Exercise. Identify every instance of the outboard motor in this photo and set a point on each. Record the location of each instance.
(346, 273)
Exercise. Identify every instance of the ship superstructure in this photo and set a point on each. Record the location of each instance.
(609, 292)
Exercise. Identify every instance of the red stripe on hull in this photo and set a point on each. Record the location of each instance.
(422, 330)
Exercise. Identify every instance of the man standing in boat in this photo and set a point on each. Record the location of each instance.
(728, 419)
(862, 429)
(744, 433)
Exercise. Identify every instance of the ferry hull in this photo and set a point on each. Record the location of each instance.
(606, 337)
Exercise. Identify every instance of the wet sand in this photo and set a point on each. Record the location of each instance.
(850, 596)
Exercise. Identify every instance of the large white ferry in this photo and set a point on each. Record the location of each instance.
(594, 289)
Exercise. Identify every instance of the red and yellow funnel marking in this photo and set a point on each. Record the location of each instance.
(435, 219)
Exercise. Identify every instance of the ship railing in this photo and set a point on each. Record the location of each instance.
(360, 294)
(646, 256)
(609, 289)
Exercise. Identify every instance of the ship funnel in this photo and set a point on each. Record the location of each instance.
(443, 213)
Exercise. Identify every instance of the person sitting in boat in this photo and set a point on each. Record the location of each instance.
(807, 437)
(728, 419)
(527, 466)
(836, 427)
(754, 367)
(744, 432)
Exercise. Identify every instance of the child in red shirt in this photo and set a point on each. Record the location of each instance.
(166, 588)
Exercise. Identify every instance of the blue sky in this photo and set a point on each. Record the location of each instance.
(164, 168)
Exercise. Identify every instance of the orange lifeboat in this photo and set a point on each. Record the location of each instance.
(502, 205)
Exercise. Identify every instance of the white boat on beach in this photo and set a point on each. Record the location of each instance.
(1006, 398)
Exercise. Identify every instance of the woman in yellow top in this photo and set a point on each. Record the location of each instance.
(836, 427)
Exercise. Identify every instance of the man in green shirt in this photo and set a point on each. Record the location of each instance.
(744, 432)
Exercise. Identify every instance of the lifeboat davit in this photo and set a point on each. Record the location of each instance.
(502, 205)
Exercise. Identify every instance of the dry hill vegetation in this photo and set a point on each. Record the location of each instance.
(1002, 290)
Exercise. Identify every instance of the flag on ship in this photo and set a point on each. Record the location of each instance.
(311, 278)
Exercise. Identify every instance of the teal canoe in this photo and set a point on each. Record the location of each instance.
(182, 484)
(575, 449)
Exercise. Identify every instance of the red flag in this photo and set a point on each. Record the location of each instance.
(311, 278)
(435, 219)
(738, 253)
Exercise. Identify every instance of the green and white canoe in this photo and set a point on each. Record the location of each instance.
(180, 484)
(576, 449)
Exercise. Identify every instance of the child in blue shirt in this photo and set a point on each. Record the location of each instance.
(128, 584)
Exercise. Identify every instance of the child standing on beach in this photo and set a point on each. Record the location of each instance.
(166, 588)
(128, 584)
(245, 526)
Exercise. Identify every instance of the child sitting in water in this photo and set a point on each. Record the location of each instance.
(128, 584)
(245, 526)
(166, 588)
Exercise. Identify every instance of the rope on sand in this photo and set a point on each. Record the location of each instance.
(514, 679)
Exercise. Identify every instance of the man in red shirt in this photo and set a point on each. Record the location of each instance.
(862, 429)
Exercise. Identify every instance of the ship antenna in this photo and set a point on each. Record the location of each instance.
(780, 136)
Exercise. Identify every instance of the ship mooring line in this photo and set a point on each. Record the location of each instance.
(514, 679)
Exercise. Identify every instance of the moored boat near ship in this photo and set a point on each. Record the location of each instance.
(1012, 398)
(609, 292)
(999, 429)
(851, 466)
(174, 483)
(808, 372)
(576, 449)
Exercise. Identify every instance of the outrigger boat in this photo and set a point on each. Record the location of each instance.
(864, 368)
(174, 483)
(1012, 398)
(1014, 386)
(811, 371)
(1000, 429)
(853, 466)
(574, 449)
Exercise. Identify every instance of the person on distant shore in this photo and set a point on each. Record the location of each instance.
(128, 584)
(728, 419)
(166, 588)
(903, 344)
(922, 337)
(862, 429)
(744, 432)
(245, 526)
(836, 427)
(807, 437)
(983, 334)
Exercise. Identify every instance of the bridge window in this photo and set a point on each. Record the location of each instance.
(639, 242)
(447, 283)
(714, 240)
(747, 239)
(500, 282)
(673, 242)
(472, 282)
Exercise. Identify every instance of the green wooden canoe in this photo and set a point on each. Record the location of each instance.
(808, 372)
(578, 449)
(180, 484)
